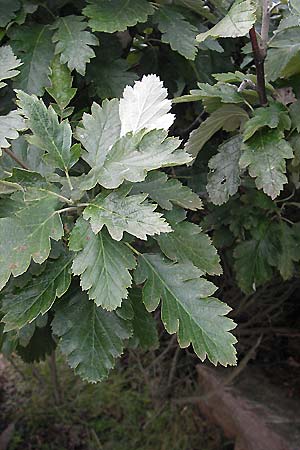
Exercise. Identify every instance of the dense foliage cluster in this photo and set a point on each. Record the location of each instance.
(106, 200)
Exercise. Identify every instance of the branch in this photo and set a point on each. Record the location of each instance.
(15, 158)
(259, 64)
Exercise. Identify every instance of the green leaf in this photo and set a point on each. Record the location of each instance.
(73, 42)
(6, 187)
(99, 131)
(116, 15)
(187, 307)
(90, 338)
(237, 22)
(135, 111)
(187, 243)
(228, 118)
(282, 56)
(8, 10)
(120, 212)
(264, 155)
(8, 64)
(40, 345)
(273, 116)
(109, 77)
(38, 296)
(10, 125)
(224, 178)
(197, 6)
(255, 258)
(176, 31)
(294, 110)
(48, 134)
(26, 234)
(168, 191)
(143, 323)
(33, 45)
(224, 92)
(132, 156)
(61, 84)
(103, 265)
(287, 250)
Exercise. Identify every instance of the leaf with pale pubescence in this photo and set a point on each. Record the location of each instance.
(103, 265)
(38, 296)
(145, 106)
(10, 125)
(26, 234)
(237, 22)
(48, 134)
(168, 191)
(265, 157)
(132, 156)
(120, 212)
(176, 31)
(99, 131)
(223, 179)
(187, 307)
(8, 64)
(188, 243)
(116, 15)
(90, 338)
(73, 42)
(33, 45)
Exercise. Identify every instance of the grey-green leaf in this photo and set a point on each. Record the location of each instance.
(116, 15)
(33, 45)
(61, 84)
(39, 295)
(121, 213)
(176, 31)
(73, 42)
(187, 307)
(90, 338)
(103, 265)
(168, 192)
(8, 64)
(10, 125)
(8, 11)
(187, 243)
(223, 179)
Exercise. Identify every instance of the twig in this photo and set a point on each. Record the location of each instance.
(15, 158)
(259, 64)
(173, 367)
(54, 377)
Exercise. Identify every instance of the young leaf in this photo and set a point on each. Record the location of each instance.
(282, 55)
(33, 45)
(143, 323)
(90, 337)
(103, 265)
(10, 125)
(73, 42)
(224, 178)
(273, 116)
(99, 131)
(168, 192)
(120, 212)
(176, 31)
(8, 11)
(8, 64)
(237, 22)
(187, 307)
(264, 155)
(228, 118)
(145, 106)
(61, 84)
(27, 234)
(224, 92)
(116, 15)
(132, 156)
(187, 243)
(53, 137)
(38, 296)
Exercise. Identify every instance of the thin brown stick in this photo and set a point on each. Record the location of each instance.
(259, 64)
(15, 158)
